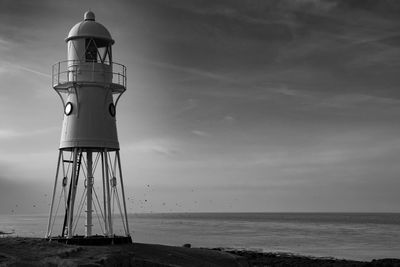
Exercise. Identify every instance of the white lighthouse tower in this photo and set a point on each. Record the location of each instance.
(85, 203)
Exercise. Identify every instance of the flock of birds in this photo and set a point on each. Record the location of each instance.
(137, 204)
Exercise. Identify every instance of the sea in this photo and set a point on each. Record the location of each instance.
(355, 236)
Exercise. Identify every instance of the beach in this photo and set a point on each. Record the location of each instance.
(350, 236)
(39, 252)
(19, 251)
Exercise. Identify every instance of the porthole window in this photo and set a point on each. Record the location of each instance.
(68, 108)
(111, 109)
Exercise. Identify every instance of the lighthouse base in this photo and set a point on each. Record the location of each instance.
(99, 198)
(96, 240)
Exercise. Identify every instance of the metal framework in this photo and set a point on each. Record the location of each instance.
(100, 196)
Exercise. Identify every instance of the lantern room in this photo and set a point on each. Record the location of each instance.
(89, 41)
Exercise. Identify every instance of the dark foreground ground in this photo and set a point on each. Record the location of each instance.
(16, 251)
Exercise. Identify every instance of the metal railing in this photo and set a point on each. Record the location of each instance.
(76, 71)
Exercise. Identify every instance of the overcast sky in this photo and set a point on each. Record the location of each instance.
(289, 105)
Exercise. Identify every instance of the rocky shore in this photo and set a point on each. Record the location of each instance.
(258, 259)
(17, 251)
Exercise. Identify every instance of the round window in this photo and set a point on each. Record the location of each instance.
(111, 108)
(68, 108)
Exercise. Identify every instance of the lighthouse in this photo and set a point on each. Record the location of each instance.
(88, 203)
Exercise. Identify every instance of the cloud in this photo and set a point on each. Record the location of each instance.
(190, 104)
(229, 119)
(4, 134)
(316, 5)
(10, 133)
(46, 75)
(159, 146)
(191, 70)
(355, 100)
(341, 152)
(7, 66)
(5, 44)
(200, 133)
(289, 92)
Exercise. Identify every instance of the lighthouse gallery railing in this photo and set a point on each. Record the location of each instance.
(76, 71)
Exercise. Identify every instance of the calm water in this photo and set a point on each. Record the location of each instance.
(359, 236)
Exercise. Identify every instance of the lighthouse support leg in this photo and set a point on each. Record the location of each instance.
(73, 192)
(89, 198)
(54, 194)
(104, 194)
(110, 226)
(123, 193)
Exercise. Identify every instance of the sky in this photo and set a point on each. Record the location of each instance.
(231, 106)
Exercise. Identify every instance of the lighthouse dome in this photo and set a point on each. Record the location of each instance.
(89, 28)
